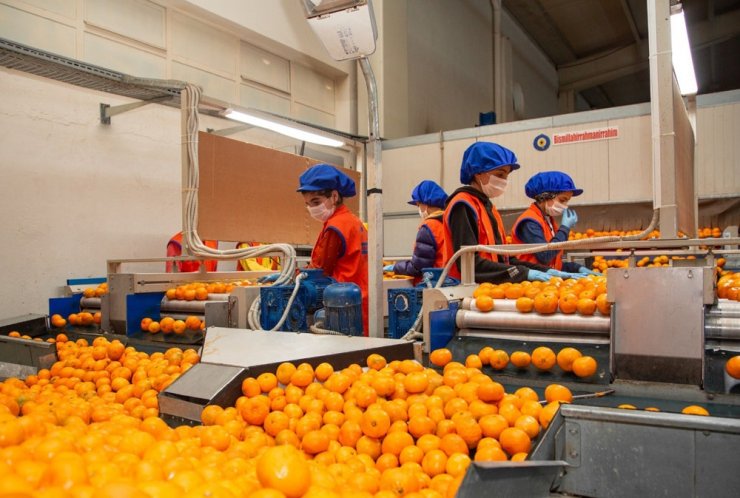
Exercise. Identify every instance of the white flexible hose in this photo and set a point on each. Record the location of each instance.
(190, 96)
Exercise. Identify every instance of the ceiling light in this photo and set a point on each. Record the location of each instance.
(683, 65)
(261, 120)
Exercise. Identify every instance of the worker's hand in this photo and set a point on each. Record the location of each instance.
(268, 279)
(564, 274)
(570, 218)
(586, 271)
(388, 268)
(538, 275)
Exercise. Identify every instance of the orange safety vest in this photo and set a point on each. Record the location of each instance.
(266, 262)
(190, 266)
(485, 228)
(533, 213)
(435, 225)
(352, 265)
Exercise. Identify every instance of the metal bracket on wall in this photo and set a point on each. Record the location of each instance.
(108, 111)
(225, 132)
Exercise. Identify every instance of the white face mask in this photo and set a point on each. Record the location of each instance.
(320, 212)
(495, 186)
(422, 213)
(555, 208)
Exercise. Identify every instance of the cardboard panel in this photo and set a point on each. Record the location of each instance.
(248, 193)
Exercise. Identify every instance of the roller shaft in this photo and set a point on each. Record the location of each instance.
(512, 320)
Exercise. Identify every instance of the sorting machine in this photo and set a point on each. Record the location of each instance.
(664, 345)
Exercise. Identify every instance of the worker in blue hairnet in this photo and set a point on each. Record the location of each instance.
(429, 246)
(341, 248)
(551, 191)
(470, 218)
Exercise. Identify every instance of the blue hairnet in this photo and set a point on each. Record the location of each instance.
(428, 192)
(326, 177)
(550, 181)
(485, 156)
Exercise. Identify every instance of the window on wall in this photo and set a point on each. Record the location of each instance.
(143, 38)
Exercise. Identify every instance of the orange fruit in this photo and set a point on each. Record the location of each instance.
(376, 361)
(493, 425)
(375, 423)
(396, 441)
(178, 327)
(558, 392)
(585, 366)
(485, 354)
(695, 410)
(490, 454)
(566, 357)
(543, 358)
(283, 468)
(284, 372)
(524, 304)
(546, 303)
(398, 481)
(474, 361)
(484, 303)
(499, 359)
(153, 327)
(520, 359)
(514, 440)
(490, 391)
(568, 303)
(440, 357)
(732, 367)
(547, 413)
(603, 305)
(586, 306)
(514, 291)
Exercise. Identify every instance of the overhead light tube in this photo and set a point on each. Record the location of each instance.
(289, 131)
(683, 64)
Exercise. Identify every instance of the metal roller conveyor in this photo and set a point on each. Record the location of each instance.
(505, 317)
(513, 320)
(90, 303)
(722, 327)
(190, 307)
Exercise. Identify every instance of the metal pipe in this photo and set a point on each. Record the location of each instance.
(184, 306)
(716, 327)
(375, 208)
(510, 320)
(90, 302)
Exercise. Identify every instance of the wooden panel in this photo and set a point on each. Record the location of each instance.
(136, 19)
(403, 169)
(66, 8)
(314, 116)
(213, 85)
(718, 150)
(37, 32)
(248, 192)
(255, 98)
(124, 58)
(684, 157)
(203, 45)
(630, 161)
(312, 89)
(263, 67)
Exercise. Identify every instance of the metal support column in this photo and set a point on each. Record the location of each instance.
(374, 208)
(661, 116)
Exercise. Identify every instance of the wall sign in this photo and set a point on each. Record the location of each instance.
(585, 135)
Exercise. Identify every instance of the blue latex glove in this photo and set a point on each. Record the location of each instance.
(586, 271)
(564, 274)
(388, 268)
(268, 279)
(570, 218)
(538, 275)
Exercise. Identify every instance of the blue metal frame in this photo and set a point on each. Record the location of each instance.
(442, 325)
(139, 306)
(64, 306)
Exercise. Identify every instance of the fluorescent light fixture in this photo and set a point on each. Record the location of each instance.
(346, 27)
(289, 131)
(683, 65)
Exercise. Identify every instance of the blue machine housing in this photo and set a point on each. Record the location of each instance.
(343, 305)
(310, 298)
(404, 305)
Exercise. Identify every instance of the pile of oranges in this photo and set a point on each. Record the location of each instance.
(542, 358)
(728, 286)
(168, 325)
(81, 319)
(100, 290)
(585, 296)
(199, 291)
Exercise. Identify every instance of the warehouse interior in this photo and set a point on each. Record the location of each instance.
(123, 123)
